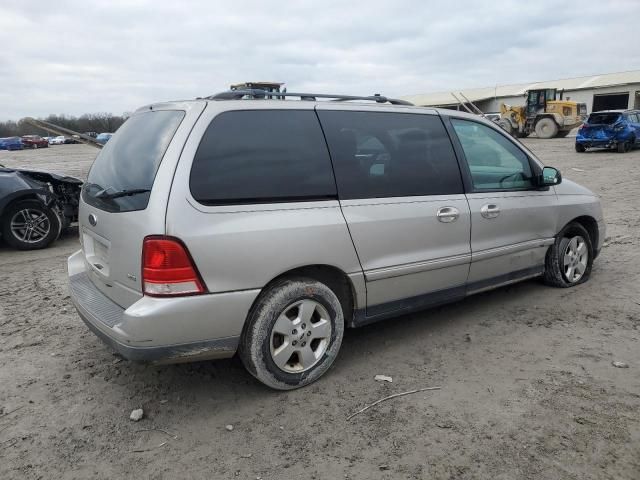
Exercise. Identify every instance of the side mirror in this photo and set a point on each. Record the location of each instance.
(550, 177)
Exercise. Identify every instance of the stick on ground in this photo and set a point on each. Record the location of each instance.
(389, 398)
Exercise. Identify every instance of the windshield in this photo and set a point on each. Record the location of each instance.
(129, 161)
(603, 118)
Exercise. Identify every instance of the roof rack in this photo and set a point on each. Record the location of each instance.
(258, 93)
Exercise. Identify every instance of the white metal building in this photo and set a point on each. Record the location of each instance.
(599, 92)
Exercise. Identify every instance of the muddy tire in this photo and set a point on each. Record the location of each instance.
(570, 258)
(30, 225)
(293, 333)
(546, 128)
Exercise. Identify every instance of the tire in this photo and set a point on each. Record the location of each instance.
(46, 225)
(546, 128)
(557, 273)
(580, 148)
(522, 134)
(623, 147)
(563, 133)
(506, 126)
(269, 348)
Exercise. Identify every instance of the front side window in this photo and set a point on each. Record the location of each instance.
(262, 156)
(494, 161)
(379, 155)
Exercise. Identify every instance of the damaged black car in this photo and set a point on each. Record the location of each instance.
(36, 207)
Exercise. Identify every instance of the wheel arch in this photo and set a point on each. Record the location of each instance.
(19, 196)
(333, 277)
(591, 226)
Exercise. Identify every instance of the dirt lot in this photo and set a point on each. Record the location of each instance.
(528, 386)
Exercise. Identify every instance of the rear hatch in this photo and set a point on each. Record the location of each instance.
(600, 125)
(124, 198)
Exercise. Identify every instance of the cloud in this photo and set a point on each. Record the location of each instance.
(114, 56)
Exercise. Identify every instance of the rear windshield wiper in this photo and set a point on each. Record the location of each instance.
(122, 193)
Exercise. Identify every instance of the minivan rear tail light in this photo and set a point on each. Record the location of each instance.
(168, 269)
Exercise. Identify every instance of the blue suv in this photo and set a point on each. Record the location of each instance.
(619, 129)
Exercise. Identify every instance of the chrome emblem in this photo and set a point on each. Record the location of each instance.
(93, 220)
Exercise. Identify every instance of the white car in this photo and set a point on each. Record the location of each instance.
(57, 140)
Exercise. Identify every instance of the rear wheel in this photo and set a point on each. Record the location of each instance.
(293, 333)
(580, 148)
(570, 258)
(623, 147)
(30, 225)
(546, 128)
(506, 126)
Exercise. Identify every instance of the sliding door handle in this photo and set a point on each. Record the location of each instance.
(447, 214)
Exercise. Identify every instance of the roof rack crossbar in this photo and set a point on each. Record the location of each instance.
(258, 93)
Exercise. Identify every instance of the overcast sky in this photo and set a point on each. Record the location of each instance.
(113, 56)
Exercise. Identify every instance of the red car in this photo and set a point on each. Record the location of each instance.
(34, 141)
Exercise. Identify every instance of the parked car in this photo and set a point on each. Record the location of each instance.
(266, 227)
(60, 140)
(36, 206)
(34, 141)
(103, 137)
(618, 129)
(11, 143)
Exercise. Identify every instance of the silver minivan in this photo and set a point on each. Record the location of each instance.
(267, 226)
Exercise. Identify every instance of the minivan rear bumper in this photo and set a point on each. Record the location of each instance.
(202, 327)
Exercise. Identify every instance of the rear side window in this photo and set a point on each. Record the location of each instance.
(262, 156)
(603, 118)
(122, 175)
(377, 154)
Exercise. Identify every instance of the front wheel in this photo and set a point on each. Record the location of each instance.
(30, 225)
(623, 147)
(293, 333)
(580, 148)
(570, 258)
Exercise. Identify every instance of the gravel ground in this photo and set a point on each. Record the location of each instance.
(528, 385)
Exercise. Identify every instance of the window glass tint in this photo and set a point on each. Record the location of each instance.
(129, 161)
(379, 154)
(262, 156)
(603, 118)
(634, 117)
(494, 161)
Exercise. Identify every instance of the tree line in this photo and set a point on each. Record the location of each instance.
(89, 122)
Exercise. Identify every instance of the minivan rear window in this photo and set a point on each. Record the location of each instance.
(122, 175)
(262, 156)
(603, 118)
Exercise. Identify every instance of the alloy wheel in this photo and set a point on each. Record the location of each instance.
(576, 259)
(300, 336)
(30, 225)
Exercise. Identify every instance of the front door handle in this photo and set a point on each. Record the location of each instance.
(447, 214)
(490, 210)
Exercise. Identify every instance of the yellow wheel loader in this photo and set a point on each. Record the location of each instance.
(542, 114)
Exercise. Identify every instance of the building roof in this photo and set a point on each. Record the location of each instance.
(519, 89)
